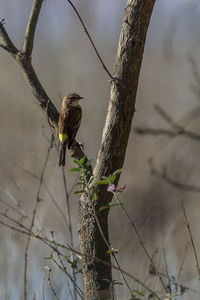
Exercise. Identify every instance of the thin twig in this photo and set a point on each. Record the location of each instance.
(167, 272)
(43, 286)
(91, 41)
(196, 76)
(7, 43)
(63, 268)
(49, 282)
(18, 211)
(33, 217)
(182, 263)
(167, 117)
(191, 238)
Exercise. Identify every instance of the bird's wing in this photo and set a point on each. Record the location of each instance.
(74, 122)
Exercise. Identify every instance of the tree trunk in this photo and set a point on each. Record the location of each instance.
(113, 147)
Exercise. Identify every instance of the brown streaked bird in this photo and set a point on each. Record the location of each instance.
(68, 123)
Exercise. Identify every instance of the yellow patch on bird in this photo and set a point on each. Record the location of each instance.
(63, 137)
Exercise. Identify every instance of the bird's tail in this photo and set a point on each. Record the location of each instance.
(62, 154)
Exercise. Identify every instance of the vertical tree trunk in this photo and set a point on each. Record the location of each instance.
(113, 147)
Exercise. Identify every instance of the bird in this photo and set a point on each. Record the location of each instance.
(68, 123)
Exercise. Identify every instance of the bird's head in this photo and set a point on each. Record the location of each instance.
(72, 99)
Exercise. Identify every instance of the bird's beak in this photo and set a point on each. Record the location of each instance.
(81, 97)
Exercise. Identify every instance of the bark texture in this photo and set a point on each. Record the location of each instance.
(113, 147)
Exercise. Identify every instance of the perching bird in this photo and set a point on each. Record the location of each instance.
(68, 123)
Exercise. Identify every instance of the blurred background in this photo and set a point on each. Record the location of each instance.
(65, 62)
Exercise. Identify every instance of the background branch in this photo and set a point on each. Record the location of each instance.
(191, 239)
(177, 130)
(175, 183)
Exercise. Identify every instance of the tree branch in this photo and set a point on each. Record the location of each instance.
(154, 131)
(7, 43)
(177, 184)
(31, 26)
(176, 131)
(191, 239)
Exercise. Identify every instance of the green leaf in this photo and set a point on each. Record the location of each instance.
(74, 170)
(76, 161)
(89, 162)
(95, 196)
(104, 207)
(102, 182)
(115, 175)
(110, 178)
(107, 205)
(82, 160)
(79, 192)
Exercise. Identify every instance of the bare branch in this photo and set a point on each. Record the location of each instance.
(196, 76)
(176, 131)
(91, 41)
(168, 132)
(182, 262)
(162, 175)
(49, 282)
(167, 117)
(31, 26)
(7, 43)
(191, 238)
(63, 268)
(154, 131)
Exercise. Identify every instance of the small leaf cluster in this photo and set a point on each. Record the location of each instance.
(110, 179)
(83, 167)
(85, 179)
